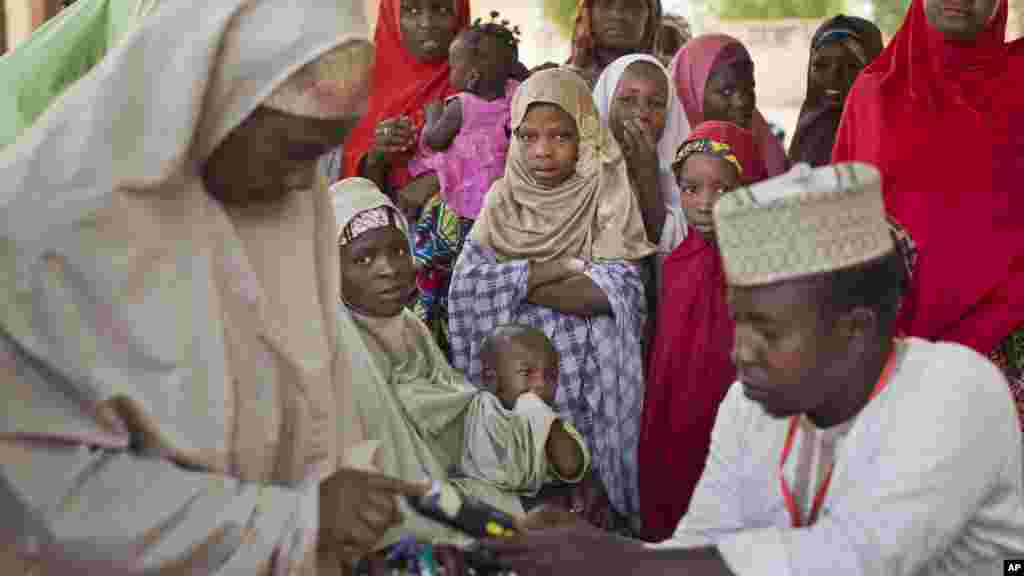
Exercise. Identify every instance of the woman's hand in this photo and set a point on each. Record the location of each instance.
(590, 499)
(358, 507)
(391, 137)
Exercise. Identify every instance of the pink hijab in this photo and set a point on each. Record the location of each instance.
(691, 69)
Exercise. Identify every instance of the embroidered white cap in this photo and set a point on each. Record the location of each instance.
(801, 223)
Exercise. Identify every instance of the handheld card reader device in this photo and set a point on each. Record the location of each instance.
(469, 515)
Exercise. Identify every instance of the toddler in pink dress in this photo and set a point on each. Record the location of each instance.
(465, 143)
(466, 139)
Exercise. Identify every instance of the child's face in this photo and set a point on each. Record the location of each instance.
(550, 144)
(460, 63)
(513, 368)
(834, 67)
(729, 93)
(428, 28)
(702, 180)
(642, 95)
(377, 274)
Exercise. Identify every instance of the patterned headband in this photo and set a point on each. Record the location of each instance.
(706, 146)
(379, 217)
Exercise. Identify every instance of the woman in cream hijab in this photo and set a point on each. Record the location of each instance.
(172, 399)
(428, 418)
(558, 246)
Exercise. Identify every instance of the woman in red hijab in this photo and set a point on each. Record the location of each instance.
(689, 369)
(941, 113)
(608, 29)
(714, 76)
(412, 41)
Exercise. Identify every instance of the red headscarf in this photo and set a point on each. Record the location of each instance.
(583, 48)
(691, 69)
(944, 122)
(689, 369)
(401, 85)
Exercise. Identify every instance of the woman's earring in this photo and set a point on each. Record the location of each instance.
(473, 81)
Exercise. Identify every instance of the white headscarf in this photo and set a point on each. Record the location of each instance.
(677, 127)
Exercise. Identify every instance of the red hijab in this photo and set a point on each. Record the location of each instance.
(692, 66)
(944, 122)
(689, 369)
(401, 85)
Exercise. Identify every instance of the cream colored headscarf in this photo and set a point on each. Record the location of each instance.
(594, 215)
(139, 314)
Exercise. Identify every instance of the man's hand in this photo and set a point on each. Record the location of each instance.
(571, 548)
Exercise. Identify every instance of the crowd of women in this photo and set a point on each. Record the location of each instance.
(172, 302)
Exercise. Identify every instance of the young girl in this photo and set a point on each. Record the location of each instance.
(558, 246)
(689, 369)
(714, 77)
(840, 49)
(637, 101)
(464, 142)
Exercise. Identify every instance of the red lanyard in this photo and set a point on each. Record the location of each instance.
(819, 496)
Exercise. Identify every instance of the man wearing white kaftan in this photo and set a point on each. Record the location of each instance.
(927, 479)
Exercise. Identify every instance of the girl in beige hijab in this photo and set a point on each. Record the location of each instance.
(558, 246)
(172, 398)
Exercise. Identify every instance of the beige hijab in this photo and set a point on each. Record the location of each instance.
(153, 315)
(594, 215)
